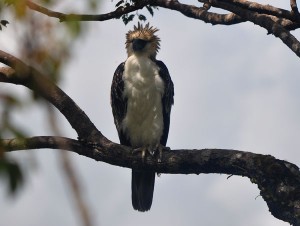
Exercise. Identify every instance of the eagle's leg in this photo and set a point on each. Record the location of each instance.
(153, 151)
(143, 151)
(146, 150)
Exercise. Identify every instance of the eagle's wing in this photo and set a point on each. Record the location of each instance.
(167, 99)
(119, 102)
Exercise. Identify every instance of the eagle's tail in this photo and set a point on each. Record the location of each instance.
(142, 187)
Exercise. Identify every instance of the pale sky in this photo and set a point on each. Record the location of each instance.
(235, 88)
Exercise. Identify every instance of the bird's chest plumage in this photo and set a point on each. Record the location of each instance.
(143, 89)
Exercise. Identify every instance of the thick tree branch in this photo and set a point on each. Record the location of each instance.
(285, 18)
(278, 181)
(199, 13)
(263, 9)
(52, 142)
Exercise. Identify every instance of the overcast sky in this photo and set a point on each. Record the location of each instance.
(235, 88)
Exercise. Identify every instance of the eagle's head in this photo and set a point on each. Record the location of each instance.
(142, 41)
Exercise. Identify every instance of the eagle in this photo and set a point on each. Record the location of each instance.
(142, 94)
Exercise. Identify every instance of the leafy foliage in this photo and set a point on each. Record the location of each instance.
(12, 172)
(9, 169)
(129, 17)
(3, 23)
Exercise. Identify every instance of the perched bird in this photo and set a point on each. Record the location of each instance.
(141, 98)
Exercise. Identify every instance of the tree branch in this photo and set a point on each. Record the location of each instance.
(278, 181)
(40, 142)
(85, 17)
(263, 9)
(200, 13)
(288, 19)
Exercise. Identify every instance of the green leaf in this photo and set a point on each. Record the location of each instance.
(142, 17)
(130, 18)
(149, 8)
(119, 3)
(126, 19)
(4, 22)
(13, 173)
(15, 177)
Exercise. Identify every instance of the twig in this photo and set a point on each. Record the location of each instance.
(294, 7)
(85, 17)
(44, 10)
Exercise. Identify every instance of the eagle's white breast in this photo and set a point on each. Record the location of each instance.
(143, 88)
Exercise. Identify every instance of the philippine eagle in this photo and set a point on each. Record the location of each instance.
(141, 98)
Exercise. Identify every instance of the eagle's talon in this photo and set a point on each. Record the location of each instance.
(143, 151)
(151, 151)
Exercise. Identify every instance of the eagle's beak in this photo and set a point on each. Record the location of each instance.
(138, 44)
